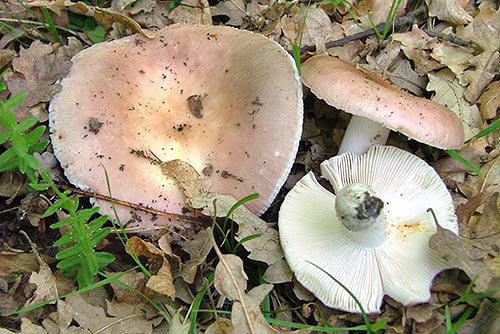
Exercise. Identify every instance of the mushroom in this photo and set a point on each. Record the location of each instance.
(226, 101)
(378, 107)
(372, 236)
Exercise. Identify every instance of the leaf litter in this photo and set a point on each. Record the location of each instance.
(452, 58)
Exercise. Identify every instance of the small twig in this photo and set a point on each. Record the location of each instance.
(173, 216)
(398, 24)
(449, 38)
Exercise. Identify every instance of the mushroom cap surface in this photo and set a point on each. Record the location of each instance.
(363, 93)
(403, 267)
(227, 101)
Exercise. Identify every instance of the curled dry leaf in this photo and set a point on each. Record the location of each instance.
(265, 248)
(161, 282)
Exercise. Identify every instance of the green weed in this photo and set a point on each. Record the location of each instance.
(77, 256)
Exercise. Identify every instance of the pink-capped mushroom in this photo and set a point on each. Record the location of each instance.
(227, 101)
(378, 106)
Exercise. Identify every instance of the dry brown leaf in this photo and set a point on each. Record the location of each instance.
(36, 70)
(162, 281)
(490, 101)
(231, 281)
(94, 319)
(449, 93)
(220, 326)
(486, 321)
(133, 279)
(391, 65)
(28, 327)
(449, 10)
(278, 272)
(176, 326)
(311, 26)
(13, 184)
(186, 177)
(198, 249)
(484, 31)
(417, 46)
(265, 248)
(6, 57)
(460, 253)
(17, 262)
(192, 12)
(107, 17)
(235, 10)
(46, 287)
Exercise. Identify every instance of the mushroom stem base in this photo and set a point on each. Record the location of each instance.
(361, 133)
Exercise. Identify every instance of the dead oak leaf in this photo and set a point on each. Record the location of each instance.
(449, 10)
(35, 71)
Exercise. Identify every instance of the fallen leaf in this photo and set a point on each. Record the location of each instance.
(450, 93)
(6, 56)
(192, 12)
(265, 248)
(198, 249)
(278, 272)
(13, 184)
(177, 326)
(484, 31)
(460, 253)
(186, 177)
(162, 281)
(235, 10)
(449, 10)
(94, 319)
(490, 101)
(133, 279)
(417, 46)
(486, 320)
(29, 327)
(35, 71)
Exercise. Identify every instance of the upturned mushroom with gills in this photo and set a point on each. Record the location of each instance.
(372, 234)
(378, 106)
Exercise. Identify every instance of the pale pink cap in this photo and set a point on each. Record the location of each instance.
(242, 129)
(363, 93)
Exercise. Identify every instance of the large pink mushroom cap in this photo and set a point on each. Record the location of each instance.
(227, 101)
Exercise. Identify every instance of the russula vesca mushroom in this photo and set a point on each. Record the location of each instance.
(378, 107)
(372, 236)
(227, 101)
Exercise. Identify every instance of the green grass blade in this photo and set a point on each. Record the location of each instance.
(458, 157)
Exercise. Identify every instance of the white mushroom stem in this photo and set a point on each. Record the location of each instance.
(361, 212)
(361, 133)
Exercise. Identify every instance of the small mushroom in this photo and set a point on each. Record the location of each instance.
(189, 93)
(378, 107)
(372, 236)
